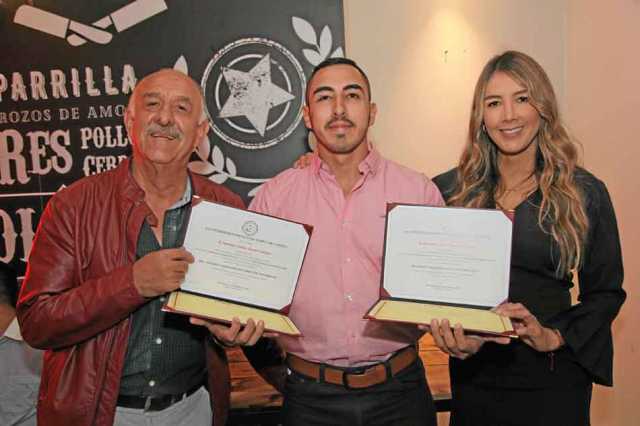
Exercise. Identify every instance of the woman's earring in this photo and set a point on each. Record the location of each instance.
(484, 128)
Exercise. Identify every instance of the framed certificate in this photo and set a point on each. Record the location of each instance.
(246, 266)
(445, 263)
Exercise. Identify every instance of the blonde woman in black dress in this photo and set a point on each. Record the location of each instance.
(519, 157)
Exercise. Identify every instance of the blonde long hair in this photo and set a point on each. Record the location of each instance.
(562, 212)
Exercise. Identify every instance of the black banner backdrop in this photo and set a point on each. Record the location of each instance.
(68, 67)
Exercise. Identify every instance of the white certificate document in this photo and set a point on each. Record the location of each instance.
(244, 257)
(447, 255)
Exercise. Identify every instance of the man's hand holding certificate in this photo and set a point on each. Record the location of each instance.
(246, 266)
(446, 263)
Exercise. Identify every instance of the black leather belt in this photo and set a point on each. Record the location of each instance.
(153, 403)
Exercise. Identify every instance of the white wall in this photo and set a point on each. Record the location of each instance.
(423, 58)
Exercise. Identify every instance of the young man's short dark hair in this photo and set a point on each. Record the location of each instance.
(337, 61)
(8, 285)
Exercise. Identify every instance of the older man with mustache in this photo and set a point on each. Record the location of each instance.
(105, 255)
(346, 370)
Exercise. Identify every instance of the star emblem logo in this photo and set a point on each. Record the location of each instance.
(253, 94)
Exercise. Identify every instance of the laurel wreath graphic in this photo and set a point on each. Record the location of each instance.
(307, 33)
(211, 161)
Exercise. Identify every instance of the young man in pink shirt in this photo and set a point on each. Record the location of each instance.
(347, 370)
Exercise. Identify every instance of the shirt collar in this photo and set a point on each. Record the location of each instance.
(186, 196)
(371, 162)
(13, 331)
(133, 191)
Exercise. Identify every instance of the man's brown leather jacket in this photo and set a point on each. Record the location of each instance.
(78, 295)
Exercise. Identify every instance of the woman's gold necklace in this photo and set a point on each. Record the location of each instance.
(521, 190)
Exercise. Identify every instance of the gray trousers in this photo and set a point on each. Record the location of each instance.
(194, 410)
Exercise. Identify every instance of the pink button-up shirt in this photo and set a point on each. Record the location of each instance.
(340, 278)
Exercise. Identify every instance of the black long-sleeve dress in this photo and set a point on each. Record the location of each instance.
(587, 356)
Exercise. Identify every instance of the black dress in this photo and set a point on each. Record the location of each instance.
(517, 385)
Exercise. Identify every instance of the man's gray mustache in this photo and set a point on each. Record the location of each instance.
(165, 131)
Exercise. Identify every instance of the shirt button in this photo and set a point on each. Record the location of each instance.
(158, 340)
(152, 383)
(349, 297)
(348, 260)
